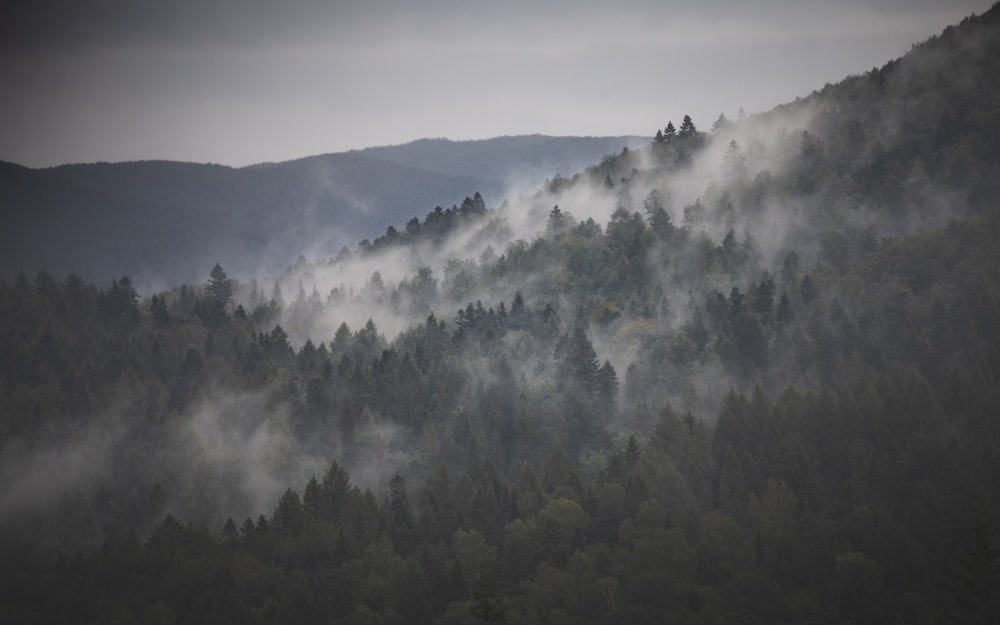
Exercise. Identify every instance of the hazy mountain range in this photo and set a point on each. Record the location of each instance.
(746, 374)
(161, 222)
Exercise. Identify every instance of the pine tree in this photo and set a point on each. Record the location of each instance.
(721, 123)
(413, 227)
(656, 215)
(158, 309)
(607, 386)
(126, 293)
(219, 287)
(486, 605)
(687, 128)
(784, 313)
(734, 163)
(478, 204)
(120, 305)
(807, 289)
(229, 531)
(556, 223)
(289, 517)
(631, 451)
(577, 360)
(402, 528)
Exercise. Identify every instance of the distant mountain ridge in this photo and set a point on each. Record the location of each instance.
(164, 222)
(532, 158)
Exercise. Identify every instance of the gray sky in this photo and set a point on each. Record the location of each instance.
(245, 81)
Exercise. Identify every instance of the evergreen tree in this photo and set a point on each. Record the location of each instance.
(577, 360)
(607, 386)
(733, 163)
(125, 293)
(478, 204)
(120, 305)
(486, 605)
(220, 288)
(557, 223)
(721, 123)
(402, 528)
(784, 313)
(687, 128)
(657, 216)
(631, 451)
(807, 289)
(413, 227)
(158, 309)
(229, 531)
(289, 517)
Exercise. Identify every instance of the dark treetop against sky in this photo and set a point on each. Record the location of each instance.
(245, 81)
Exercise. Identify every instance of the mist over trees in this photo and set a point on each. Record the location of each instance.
(172, 219)
(745, 374)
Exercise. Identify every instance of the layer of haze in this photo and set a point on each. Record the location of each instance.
(244, 82)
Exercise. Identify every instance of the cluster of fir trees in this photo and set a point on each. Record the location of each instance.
(857, 498)
(847, 477)
(435, 228)
(799, 509)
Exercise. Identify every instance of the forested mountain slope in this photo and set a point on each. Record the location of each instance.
(741, 375)
(161, 222)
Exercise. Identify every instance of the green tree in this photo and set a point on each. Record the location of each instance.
(424, 286)
(807, 289)
(607, 386)
(687, 128)
(220, 288)
(784, 313)
(577, 361)
(562, 522)
(158, 309)
(413, 227)
(289, 517)
(473, 554)
(557, 222)
(657, 216)
(120, 305)
(487, 605)
(402, 527)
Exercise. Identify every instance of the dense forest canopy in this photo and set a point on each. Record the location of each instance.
(746, 374)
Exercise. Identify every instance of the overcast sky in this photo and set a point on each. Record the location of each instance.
(244, 81)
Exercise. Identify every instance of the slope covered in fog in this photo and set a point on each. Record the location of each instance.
(748, 374)
(161, 222)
